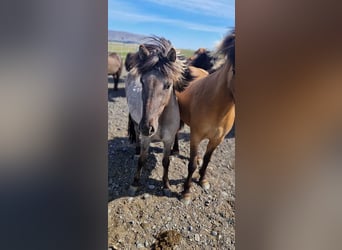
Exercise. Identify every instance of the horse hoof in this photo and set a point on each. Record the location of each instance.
(205, 185)
(132, 190)
(175, 152)
(167, 192)
(186, 199)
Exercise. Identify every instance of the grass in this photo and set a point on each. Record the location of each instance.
(123, 48)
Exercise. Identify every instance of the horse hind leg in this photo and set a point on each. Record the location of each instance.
(175, 148)
(206, 159)
(133, 134)
(116, 81)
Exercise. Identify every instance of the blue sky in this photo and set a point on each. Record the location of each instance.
(188, 24)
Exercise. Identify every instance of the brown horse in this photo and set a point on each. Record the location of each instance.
(129, 61)
(114, 68)
(208, 106)
(153, 109)
(191, 74)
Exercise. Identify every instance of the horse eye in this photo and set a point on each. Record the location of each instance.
(167, 85)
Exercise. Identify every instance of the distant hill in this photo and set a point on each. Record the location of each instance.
(124, 37)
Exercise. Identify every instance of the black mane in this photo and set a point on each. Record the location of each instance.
(158, 49)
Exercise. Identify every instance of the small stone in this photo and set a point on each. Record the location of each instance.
(146, 243)
(144, 225)
(224, 194)
(151, 186)
(190, 228)
(197, 237)
(130, 199)
(140, 245)
(146, 196)
(206, 203)
(213, 233)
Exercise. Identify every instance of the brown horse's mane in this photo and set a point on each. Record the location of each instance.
(158, 48)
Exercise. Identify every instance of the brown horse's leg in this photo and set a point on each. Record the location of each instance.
(206, 159)
(191, 169)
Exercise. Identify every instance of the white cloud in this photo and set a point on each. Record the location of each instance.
(136, 17)
(221, 8)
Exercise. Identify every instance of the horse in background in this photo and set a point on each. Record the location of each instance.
(115, 68)
(153, 108)
(202, 58)
(207, 105)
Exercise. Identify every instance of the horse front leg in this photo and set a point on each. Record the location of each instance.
(191, 169)
(141, 163)
(166, 164)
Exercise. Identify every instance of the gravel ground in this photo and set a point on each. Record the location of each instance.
(152, 220)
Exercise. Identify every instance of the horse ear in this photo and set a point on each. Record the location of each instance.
(171, 55)
(143, 52)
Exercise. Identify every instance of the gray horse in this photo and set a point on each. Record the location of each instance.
(153, 108)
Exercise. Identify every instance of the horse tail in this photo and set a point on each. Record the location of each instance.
(131, 130)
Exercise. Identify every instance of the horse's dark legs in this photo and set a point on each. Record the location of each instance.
(166, 163)
(191, 169)
(116, 81)
(175, 148)
(137, 139)
(206, 159)
(141, 163)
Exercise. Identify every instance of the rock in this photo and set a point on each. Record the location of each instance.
(151, 186)
(213, 233)
(190, 228)
(140, 245)
(146, 196)
(197, 237)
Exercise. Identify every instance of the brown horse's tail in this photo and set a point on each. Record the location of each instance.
(131, 130)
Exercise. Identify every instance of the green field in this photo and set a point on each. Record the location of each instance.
(123, 48)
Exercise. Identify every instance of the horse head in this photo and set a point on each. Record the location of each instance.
(160, 72)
